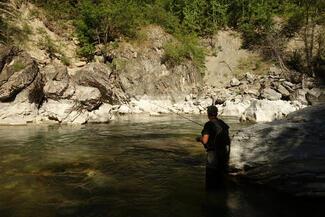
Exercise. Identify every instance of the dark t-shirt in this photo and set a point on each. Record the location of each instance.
(218, 132)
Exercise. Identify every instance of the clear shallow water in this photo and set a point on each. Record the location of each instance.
(129, 168)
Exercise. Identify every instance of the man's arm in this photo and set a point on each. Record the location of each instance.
(203, 139)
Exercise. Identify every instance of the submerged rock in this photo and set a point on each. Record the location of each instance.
(287, 155)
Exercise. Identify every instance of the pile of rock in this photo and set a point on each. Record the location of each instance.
(96, 92)
(267, 97)
(251, 98)
(51, 94)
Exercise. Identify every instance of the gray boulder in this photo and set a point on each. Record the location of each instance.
(100, 76)
(281, 89)
(300, 96)
(16, 76)
(6, 55)
(89, 98)
(315, 96)
(270, 94)
(287, 155)
(57, 81)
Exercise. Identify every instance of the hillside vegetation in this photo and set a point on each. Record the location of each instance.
(267, 26)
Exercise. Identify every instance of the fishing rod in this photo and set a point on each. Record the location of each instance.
(177, 114)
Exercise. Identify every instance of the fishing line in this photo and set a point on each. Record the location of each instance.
(177, 114)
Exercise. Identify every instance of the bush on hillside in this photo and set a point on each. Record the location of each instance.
(184, 48)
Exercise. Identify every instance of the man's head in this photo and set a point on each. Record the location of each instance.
(212, 111)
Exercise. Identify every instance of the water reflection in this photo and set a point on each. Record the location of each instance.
(126, 168)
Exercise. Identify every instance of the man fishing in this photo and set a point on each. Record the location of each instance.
(216, 141)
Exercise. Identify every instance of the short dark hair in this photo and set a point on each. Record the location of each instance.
(212, 110)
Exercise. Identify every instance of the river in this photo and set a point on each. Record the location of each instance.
(129, 168)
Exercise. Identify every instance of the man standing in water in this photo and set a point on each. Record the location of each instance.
(216, 141)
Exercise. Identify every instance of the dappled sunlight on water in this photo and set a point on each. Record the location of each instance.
(126, 168)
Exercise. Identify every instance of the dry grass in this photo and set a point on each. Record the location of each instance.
(254, 64)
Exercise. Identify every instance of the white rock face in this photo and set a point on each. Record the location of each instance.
(19, 113)
(234, 108)
(266, 110)
(124, 109)
(151, 106)
(56, 110)
(102, 115)
(65, 112)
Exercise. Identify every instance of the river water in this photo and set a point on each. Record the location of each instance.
(128, 168)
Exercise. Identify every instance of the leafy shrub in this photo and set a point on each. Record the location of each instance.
(182, 49)
(105, 21)
(65, 60)
(47, 44)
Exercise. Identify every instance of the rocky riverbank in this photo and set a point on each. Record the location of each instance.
(32, 93)
(36, 88)
(287, 155)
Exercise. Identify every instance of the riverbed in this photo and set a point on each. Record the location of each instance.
(131, 167)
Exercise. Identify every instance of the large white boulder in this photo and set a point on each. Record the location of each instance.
(286, 154)
(101, 115)
(151, 106)
(56, 110)
(234, 108)
(19, 113)
(266, 110)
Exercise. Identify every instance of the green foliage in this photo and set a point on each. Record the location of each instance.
(47, 44)
(17, 66)
(105, 21)
(58, 9)
(53, 50)
(182, 49)
(157, 14)
(65, 60)
(198, 16)
(87, 50)
(252, 18)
